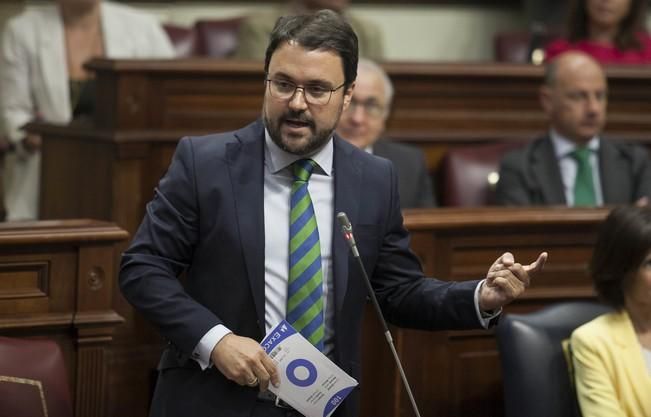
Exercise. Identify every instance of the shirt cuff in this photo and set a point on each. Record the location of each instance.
(484, 317)
(204, 348)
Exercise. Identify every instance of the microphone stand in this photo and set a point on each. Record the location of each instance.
(347, 231)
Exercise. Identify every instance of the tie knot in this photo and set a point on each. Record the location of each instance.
(303, 169)
(582, 154)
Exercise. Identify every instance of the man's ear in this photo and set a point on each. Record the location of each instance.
(348, 95)
(545, 97)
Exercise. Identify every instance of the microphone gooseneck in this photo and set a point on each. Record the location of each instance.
(347, 233)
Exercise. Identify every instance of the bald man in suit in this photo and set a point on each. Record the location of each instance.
(546, 171)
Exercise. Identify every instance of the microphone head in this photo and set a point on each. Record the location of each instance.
(347, 232)
(344, 222)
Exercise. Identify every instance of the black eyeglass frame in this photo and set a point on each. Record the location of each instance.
(268, 82)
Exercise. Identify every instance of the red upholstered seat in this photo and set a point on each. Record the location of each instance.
(182, 38)
(33, 379)
(519, 46)
(512, 46)
(469, 173)
(217, 38)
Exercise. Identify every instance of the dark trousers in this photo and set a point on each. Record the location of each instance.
(268, 409)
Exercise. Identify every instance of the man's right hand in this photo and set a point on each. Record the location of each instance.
(242, 360)
(32, 142)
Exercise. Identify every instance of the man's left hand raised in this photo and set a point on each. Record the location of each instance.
(506, 280)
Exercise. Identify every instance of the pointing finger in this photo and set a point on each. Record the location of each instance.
(538, 264)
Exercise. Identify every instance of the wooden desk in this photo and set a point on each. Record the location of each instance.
(432, 101)
(436, 105)
(56, 280)
(457, 373)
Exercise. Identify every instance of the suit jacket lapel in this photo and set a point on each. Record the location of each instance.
(547, 173)
(246, 167)
(380, 149)
(348, 182)
(631, 356)
(613, 174)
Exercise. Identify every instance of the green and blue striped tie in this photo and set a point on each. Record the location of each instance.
(305, 286)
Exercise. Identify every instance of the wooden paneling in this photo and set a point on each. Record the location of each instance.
(56, 280)
(433, 102)
(107, 177)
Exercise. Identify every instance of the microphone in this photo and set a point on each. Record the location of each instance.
(347, 232)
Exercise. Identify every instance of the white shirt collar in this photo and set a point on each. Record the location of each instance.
(279, 159)
(564, 146)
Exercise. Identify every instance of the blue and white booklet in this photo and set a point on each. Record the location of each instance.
(309, 381)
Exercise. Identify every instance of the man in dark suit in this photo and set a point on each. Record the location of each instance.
(573, 165)
(235, 210)
(363, 124)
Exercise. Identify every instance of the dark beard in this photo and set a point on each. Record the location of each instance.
(318, 139)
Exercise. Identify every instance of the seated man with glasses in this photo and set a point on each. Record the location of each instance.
(363, 123)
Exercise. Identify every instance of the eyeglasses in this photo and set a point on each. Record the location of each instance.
(314, 94)
(371, 107)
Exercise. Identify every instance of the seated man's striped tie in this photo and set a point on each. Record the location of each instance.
(305, 287)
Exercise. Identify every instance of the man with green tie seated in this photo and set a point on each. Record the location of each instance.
(573, 165)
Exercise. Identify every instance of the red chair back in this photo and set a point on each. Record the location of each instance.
(523, 46)
(469, 174)
(182, 38)
(217, 38)
(33, 379)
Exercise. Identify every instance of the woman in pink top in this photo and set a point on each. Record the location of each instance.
(612, 31)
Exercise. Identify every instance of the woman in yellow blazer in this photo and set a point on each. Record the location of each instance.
(612, 353)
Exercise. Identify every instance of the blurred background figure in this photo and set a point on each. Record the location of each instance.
(255, 29)
(363, 125)
(573, 165)
(612, 354)
(42, 77)
(612, 31)
(544, 14)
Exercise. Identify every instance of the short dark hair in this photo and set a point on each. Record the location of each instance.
(629, 28)
(623, 242)
(326, 30)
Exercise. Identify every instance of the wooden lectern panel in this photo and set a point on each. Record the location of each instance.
(56, 281)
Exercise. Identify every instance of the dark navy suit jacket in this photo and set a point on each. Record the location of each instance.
(532, 176)
(414, 181)
(206, 224)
